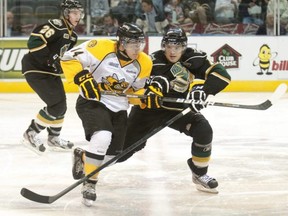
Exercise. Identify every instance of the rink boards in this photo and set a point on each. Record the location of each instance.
(255, 63)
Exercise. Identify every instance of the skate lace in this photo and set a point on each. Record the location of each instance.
(205, 179)
(37, 141)
(89, 188)
(58, 141)
(34, 139)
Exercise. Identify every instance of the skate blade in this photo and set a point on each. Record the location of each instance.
(206, 190)
(35, 150)
(87, 202)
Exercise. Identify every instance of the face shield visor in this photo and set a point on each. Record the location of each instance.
(79, 12)
(133, 44)
(174, 47)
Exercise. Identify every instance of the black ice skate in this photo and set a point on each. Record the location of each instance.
(31, 141)
(78, 165)
(204, 182)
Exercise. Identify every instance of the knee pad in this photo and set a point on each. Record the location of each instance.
(100, 142)
(200, 130)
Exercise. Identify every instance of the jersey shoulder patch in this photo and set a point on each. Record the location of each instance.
(101, 47)
(56, 23)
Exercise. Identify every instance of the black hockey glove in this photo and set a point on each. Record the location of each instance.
(87, 84)
(54, 62)
(198, 96)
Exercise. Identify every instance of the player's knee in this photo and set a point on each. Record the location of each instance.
(201, 131)
(100, 142)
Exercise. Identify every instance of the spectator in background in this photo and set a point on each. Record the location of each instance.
(99, 8)
(174, 12)
(153, 20)
(225, 11)
(108, 26)
(268, 27)
(263, 4)
(200, 11)
(124, 11)
(283, 11)
(12, 28)
(249, 11)
(138, 7)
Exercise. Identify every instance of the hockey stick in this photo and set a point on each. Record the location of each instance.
(28, 194)
(277, 94)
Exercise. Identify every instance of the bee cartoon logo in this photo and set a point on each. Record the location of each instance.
(263, 60)
(112, 83)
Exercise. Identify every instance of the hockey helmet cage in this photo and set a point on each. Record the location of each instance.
(68, 5)
(128, 32)
(175, 35)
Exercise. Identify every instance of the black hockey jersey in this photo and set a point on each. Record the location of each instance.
(52, 38)
(193, 64)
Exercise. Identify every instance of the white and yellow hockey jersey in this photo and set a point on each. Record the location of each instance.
(99, 57)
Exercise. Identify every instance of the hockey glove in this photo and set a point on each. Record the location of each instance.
(198, 96)
(152, 101)
(87, 85)
(158, 84)
(155, 87)
(54, 62)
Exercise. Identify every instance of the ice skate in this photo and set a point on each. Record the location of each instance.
(31, 141)
(78, 165)
(89, 193)
(204, 182)
(57, 144)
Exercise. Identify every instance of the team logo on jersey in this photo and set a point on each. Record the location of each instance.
(92, 43)
(112, 83)
(182, 77)
(66, 36)
(57, 22)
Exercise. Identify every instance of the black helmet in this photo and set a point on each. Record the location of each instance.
(67, 5)
(174, 35)
(128, 32)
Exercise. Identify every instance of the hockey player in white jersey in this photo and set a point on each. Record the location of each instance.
(103, 64)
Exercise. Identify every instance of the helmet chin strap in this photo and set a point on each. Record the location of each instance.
(68, 22)
(122, 54)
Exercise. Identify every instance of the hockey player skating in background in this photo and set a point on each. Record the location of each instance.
(42, 70)
(181, 65)
(97, 65)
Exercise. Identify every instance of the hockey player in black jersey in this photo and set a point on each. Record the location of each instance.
(180, 65)
(42, 70)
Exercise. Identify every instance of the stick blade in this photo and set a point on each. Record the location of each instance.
(28, 194)
(263, 106)
(278, 93)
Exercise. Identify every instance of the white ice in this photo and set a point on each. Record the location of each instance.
(249, 160)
